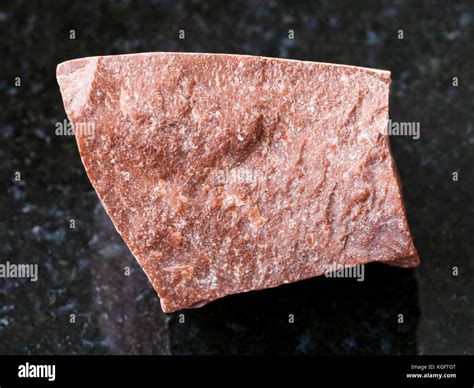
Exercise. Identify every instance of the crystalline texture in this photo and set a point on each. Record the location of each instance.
(231, 173)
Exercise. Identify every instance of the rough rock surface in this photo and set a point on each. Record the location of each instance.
(229, 173)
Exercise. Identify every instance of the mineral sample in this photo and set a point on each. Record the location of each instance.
(231, 173)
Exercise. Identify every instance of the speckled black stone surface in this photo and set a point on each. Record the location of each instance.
(81, 270)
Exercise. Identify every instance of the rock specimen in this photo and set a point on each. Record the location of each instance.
(232, 173)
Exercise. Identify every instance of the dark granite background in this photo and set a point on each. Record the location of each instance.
(81, 270)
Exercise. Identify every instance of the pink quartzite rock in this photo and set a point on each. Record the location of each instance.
(231, 173)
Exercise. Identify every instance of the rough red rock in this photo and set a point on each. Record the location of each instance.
(230, 173)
